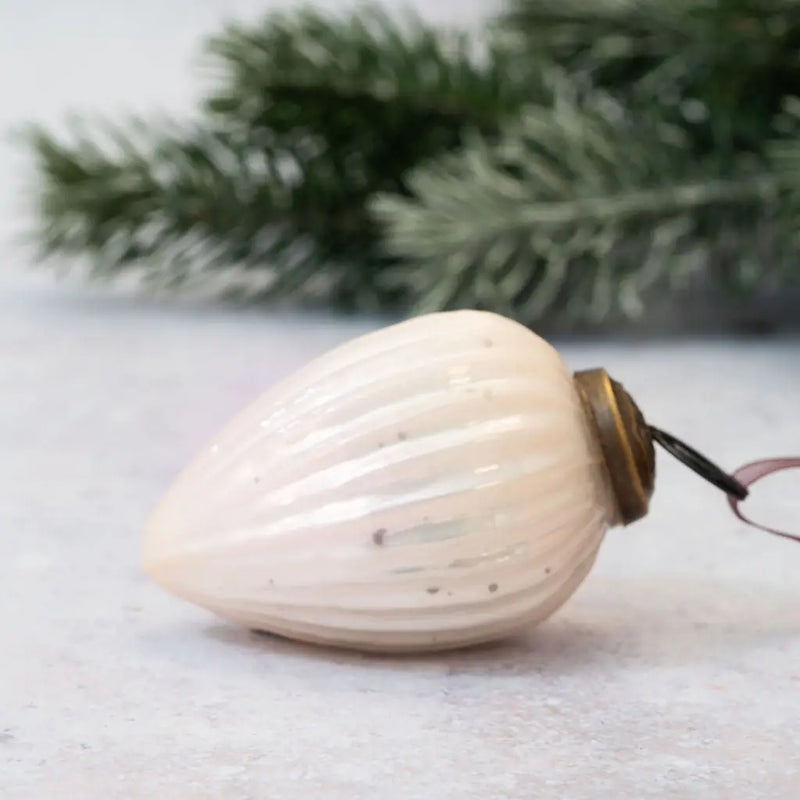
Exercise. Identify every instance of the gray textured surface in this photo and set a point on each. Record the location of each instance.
(673, 673)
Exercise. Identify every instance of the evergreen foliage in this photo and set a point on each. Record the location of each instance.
(574, 159)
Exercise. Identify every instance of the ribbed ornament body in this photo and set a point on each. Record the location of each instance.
(430, 485)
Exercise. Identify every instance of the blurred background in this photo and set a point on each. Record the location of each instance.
(600, 165)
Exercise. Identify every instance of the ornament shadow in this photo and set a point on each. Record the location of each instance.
(610, 626)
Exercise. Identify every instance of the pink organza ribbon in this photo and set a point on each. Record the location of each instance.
(749, 474)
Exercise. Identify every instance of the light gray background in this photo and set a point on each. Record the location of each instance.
(672, 674)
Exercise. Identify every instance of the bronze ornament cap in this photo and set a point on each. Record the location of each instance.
(625, 439)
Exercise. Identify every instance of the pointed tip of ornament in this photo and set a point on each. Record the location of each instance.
(150, 553)
(625, 440)
(157, 554)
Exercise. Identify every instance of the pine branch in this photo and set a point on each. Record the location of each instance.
(584, 203)
(310, 116)
(179, 204)
(580, 209)
(372, 94)
(719, 67)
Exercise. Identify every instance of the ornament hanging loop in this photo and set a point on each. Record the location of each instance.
(627, 443)
(700, 464)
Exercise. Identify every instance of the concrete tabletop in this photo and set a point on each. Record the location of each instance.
(673, 673)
